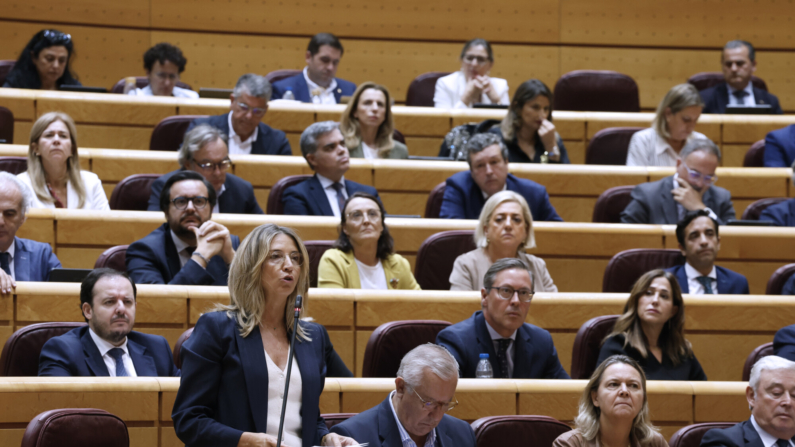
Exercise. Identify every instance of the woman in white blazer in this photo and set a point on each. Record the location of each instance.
(472, 84)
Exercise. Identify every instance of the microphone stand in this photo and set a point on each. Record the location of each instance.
(298, 302)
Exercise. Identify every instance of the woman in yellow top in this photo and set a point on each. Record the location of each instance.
(363, 256)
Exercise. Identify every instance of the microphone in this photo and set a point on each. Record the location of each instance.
(299, 300)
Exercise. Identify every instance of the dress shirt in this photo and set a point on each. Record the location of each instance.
(372, 277)
(768, 440)
(511, 348)
(104, 346)
(11, 250)
(292, 415)
(218, 197)
(181, 246)
(404, 435)
(680, 210)
(749, 99)
(648, 148)
(331, 193)
(236, 145)
(177, 92)
(326, 94)
(694, 285)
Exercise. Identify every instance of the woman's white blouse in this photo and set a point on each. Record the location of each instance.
(292, 414)
(450, 88)
(95, 194)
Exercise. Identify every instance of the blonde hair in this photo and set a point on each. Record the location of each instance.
(488, 209)
(349, 125)
(587, 420)
(38, 178)
(678, 98)
(246, 293)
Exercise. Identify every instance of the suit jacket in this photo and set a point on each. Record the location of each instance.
(399, 151)
(463, 198)
(338, 269)
(309, 199)
(729, 282)
(33, 261)
(535, 356)
(653, 203)
(781, 214)
(224, 386)
(269, 141)
(238, 196)
(377, 426)
(716, 98)
(75, 354)
(784, 342)
(780, 147)
(300, 88)
(741, 435)
(154, 260)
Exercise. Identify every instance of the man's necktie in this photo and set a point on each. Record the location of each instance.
(740, 95)
(340, 198)
(116, 353)
(4, 263)
(502, 356)
(782, 443)
(706, 282)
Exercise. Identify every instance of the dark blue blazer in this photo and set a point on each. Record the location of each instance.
(781, 214)
(75, 354)
(535, 356)
(741, 435)
(780, 147)
(463, 198)
(33, 261)
(309, 199)
(238, 196)
(300, 88)
(269, 141)
(716, 98)
(154, 260)
(789, 286)
(729, 282)
(377, 427)
(784, 342)
(224, 387)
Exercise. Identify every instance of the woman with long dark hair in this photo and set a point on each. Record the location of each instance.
(44, 63)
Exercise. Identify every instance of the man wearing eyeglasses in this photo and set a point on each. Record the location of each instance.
(204, 151)
(691, 188)
(516, 349)
(247, 133)
(190, 248)
(414, 415)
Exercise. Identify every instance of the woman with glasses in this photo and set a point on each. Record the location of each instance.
(364, 256)
(54, 175)
(44, 63)
(367, 124)
(672, 127)
(472, 84)
(505, 230)
(651, 330)
(234, 364)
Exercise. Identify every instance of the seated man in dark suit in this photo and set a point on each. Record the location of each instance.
(769, 395)
(784, 343)
(20, 259)
(107, 346)
(691, 188)
(243, 124)
(414, 414)
(780, 147)
(190, 248)
(318, 84)
(323, 147)
(466, 192)
(738, 62)
(699, 242)
(517, 350)
(204, 151)
(781, 214)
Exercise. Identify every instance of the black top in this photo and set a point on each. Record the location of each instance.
(689, 369)
(517, 155)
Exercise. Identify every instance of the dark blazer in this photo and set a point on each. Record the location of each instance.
(689, 369)
(781, 214)
(653, 203)
(301, 90)
(238, 196)
(784, 342)
(33, 261)
(269, 141)
(75, 354)
(716, 98)
(517, 155)
(224, 387)
(154, 260)
(377, 426)
(729, 282)
(741, 435)
(463, 198)
(535, 356)
(780, 147)
(309, 199)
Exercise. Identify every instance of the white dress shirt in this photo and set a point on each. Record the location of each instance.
(748, 99)
(692, 283)
(331, 193)
(768, 440)
(326, 95)
(292, 415)
(11, 250)
(238, 146)
(450, 88)
(509, 353)
(104, 346)
(177, 92)
(371, 277)
(96, 199)
(648, 148)
(184, 256)
(405, 438)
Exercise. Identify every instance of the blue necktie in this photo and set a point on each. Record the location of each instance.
(4, 262)
(706, 282)
(116, 353)
(340, 198)
(740, 95)
(502, 356)
(782, 443)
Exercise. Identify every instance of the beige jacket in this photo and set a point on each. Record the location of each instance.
(470, 268)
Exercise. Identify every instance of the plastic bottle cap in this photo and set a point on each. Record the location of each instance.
(484, 356)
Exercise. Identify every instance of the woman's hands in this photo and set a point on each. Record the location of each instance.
(335, 440)
(548, 138)
(476, 87)
(257, 440)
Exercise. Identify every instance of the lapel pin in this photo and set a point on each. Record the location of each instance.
(394, 282)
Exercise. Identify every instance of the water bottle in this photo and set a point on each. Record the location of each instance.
(288, 94)
(484, 370)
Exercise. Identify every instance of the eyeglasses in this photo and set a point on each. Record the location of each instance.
(357, 216)
(210, 166)
(256, 111)
(506, 293)
(432, 405)
(696, 176)
(278, 258)
(479, 60)
(57, 37)
(181, 203)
